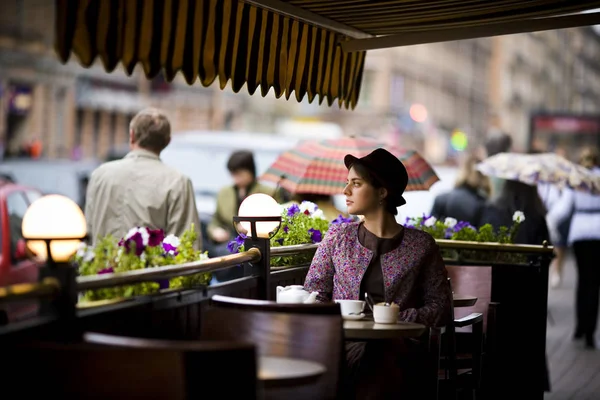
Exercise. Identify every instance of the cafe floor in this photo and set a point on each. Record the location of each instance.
(574, 371)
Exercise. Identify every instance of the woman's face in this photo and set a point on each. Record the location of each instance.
(361, 196)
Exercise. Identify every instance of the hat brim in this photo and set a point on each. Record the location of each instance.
(350, 160)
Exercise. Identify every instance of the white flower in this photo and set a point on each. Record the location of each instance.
(172, 240)
(143, 256)
(204, 256)
(89, 255)
(518, 217)
(429, 222)
(450, 222)
(308, 206)
(82, 250)
(319, 215)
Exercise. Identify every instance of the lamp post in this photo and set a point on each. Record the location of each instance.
(53, 227)
(259, 216)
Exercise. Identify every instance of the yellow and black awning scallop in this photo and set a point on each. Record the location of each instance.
(208, 40)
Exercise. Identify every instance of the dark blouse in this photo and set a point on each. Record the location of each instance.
(372, 281)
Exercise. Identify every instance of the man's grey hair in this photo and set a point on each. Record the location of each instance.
(151, 129)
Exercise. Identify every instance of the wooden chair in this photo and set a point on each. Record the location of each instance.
(130, 368)
(471, 340)
(307, 331)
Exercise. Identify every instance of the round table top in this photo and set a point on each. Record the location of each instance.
(368, 329)
(285, 371)
(463, 300)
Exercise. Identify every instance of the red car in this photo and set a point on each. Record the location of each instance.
(16, 266)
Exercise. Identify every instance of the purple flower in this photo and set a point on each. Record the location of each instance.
(234, 245)
(293, 210)
(170, 249)
(280, 241)
(315, 235)
(156, 237)
(108, 270)
(341, 220)
(163, 283)
(286, 229)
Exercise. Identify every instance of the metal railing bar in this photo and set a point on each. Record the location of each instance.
(501, 247)
(293, 250)
(168, 271)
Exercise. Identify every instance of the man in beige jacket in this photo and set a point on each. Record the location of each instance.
(139, 190)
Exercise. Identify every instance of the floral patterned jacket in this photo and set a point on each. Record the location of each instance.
(414, 274)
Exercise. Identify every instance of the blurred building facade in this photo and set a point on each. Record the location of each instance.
(548, 72)
(416, 96)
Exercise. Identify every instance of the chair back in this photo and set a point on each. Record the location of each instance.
(117, 367)
(472, 281)
(312, 332)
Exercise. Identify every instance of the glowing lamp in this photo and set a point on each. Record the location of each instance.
(54, 223)
(263, 210)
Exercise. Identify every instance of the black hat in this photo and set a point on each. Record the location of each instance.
(386, 169)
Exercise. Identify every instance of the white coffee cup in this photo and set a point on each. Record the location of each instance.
(351, 306)
(383, 314)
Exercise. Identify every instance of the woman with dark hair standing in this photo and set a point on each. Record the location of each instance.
(392, 264)
(517, 196)
(584, 235)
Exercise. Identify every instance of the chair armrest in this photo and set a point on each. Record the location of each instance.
(469, 320)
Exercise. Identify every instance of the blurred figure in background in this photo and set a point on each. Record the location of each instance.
(550, 194)
(242, 169)
(139, 190)
(518, 196)
(497, 142)
(584, 235)
(467, 200)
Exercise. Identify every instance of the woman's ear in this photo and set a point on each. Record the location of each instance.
(383, 193)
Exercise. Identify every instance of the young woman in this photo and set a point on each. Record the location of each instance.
(583, 210)
(382, 258)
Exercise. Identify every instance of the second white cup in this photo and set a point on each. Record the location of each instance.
(351, 306)
(383, 314)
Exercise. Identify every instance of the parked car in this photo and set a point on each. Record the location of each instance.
(16, 266)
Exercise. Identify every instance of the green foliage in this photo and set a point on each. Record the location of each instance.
(109, 257)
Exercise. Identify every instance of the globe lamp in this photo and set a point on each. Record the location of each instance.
(263, 210)
(56, 224)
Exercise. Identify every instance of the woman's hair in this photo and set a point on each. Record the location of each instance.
(469, 176)
(242, 160)
(589, 158)
(518, 196)
(390, 203)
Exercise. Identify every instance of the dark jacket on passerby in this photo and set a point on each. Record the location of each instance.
(463, 203)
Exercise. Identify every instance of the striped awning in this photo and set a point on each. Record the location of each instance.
(209, 40)
(312, 48)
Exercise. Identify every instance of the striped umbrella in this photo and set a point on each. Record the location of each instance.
(317, 167)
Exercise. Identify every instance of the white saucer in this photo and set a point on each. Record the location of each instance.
(353, 317)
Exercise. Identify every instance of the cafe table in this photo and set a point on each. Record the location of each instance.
(366, 329)
(285, 371)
